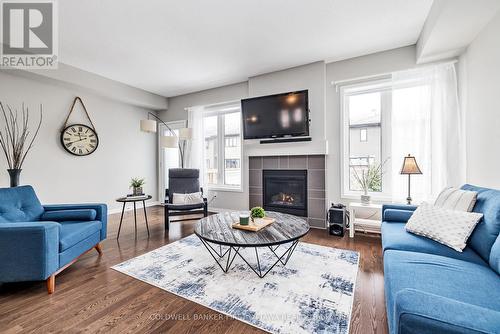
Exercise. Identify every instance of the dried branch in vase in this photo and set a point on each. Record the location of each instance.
(16, 139)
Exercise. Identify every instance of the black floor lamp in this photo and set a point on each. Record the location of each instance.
(410, 167)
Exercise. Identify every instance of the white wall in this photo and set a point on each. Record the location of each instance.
(310, 76)
(324, 105)
(481, 64)
(70, 76)
(103, 176)
(177, 105)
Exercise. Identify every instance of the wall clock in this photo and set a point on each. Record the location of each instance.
(79, 139)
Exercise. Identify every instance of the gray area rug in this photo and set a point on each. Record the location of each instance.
(313, 293)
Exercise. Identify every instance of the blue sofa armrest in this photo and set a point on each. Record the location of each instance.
(101, 212)
(397, 212)
(28, 251)
(421, 312)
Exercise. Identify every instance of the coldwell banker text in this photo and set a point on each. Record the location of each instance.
(29, 34)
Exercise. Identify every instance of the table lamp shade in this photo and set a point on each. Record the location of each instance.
(185, 133)
(169, 142)
(410, 166)
(148, 125)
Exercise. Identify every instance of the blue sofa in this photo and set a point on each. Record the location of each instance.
(39, 241)
(431, 288)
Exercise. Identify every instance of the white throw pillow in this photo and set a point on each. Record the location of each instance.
(183, 199)
(456, 199)
(449, 227)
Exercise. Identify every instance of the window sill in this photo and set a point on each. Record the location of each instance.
(225, 189)
(376, 198)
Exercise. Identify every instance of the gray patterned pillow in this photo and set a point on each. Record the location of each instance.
(449, 227)
(456, 199)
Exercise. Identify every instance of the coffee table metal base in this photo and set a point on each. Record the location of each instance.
(233, 251)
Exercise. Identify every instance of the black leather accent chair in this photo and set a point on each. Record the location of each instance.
(183, 181)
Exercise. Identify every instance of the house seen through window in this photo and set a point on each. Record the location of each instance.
(222, 147)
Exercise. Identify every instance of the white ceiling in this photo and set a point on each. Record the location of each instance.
(175, 47)
(451, 26)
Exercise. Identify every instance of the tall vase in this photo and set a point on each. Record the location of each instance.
(365, 199)
(14, 176)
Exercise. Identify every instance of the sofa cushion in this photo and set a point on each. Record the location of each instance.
(397, 215)
(183, 180)
(395, 237)
(495, 256)
(456, 199)
(78, 249)
(486, 232)
(72, 232)
(69, 215)
(449, 227)
(465, 282)
(19, 204)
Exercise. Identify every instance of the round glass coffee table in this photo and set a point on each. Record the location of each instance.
(224, 242)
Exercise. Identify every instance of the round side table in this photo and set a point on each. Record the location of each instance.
(133, 200)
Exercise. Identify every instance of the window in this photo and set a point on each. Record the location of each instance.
(222, 147)
(232, 141)
(232, 163)
(363, 135)
(407, 112)
(364, 110)
(169, 157)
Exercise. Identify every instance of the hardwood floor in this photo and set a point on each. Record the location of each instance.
(91, 297)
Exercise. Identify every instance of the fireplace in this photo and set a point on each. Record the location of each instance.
(285, 190)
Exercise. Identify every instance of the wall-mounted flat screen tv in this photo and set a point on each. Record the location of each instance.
(275, 116)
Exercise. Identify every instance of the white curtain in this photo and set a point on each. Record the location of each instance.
(427, 123)
(194, 152)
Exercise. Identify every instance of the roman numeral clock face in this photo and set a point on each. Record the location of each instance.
(79, 139)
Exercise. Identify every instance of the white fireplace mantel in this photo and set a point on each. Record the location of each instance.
(252, 148)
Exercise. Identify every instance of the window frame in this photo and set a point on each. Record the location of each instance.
(220, 111)
(162, 180)
(365, 131)
(364, 87)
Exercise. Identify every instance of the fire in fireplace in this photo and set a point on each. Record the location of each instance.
(285, 199)
(285, 191)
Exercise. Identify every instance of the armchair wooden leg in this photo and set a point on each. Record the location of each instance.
(166, 219)
(98, 249)
(51, 284)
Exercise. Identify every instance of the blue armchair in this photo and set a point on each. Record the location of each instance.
(37, 242)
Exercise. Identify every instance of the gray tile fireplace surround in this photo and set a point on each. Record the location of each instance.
(315, 166)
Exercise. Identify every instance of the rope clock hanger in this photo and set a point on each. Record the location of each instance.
(79, 139)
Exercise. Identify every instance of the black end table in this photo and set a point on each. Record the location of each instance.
(134, 200)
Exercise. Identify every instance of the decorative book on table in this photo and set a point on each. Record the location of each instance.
(132, 196)
(255, 224)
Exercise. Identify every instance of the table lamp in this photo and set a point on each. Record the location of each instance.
(410, 167)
